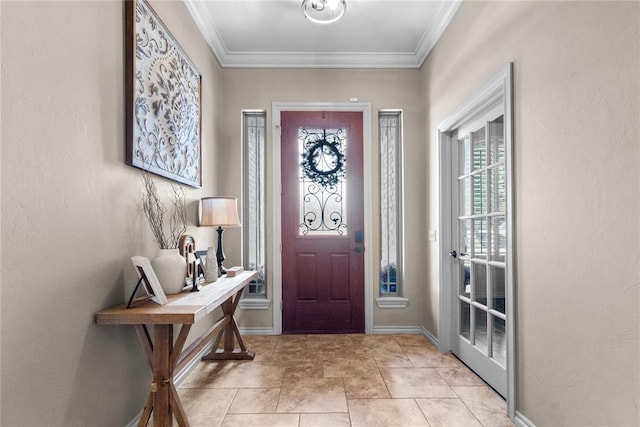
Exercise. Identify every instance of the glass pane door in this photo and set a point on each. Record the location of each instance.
(481, 231)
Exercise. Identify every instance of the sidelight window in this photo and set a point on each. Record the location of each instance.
(390, 139)
(254, 199)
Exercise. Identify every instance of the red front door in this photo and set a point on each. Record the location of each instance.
(322, 222)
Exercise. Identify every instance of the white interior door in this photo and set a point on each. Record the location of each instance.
(477, 281)
(479, 258)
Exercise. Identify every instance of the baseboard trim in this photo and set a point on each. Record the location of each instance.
(256, 331)
(397, 330)
(392, 302)
(177, 379)
(254, 304)
(429, 336)
(522, 421)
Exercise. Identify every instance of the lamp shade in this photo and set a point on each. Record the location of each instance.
(219, 211)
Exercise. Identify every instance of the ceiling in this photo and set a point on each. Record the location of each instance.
(275, 33)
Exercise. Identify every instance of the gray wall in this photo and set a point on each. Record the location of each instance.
(70, 218)
(577, 142)
(384, 89)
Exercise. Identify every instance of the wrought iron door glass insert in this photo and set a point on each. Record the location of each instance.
(322, 181)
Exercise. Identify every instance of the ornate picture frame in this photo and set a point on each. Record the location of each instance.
(163, 99)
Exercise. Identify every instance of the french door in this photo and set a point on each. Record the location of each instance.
(479, 228)
(477, 306)
(322, 222)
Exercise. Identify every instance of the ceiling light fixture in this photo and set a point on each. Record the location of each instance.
(324, 11)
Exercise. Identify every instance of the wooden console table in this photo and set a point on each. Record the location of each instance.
(167, 357)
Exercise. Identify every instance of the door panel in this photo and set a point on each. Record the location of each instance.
(478, 168)
(322, 222)
(307, 278)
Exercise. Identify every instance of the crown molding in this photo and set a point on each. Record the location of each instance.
(432, 34)
(227, 59)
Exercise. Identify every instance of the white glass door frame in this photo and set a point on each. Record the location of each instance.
(276, 200)
(497, 92)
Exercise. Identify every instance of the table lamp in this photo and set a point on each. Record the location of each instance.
(220, 212)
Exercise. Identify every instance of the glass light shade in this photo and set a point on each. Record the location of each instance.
(219, 211)
(324, 11)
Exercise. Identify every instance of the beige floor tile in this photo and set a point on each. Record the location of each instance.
(447, 413)
(325, 420)
(337, 343)
(411, 340)
(392, 360)
(386, 413)
(430, 357)
(280, 356)
(304, 369)
(487, 405)
(206, 406)
(301, 343)
(255, 401)
(202, 375)
(460, 377)
(366, 388)
(375, 344)
(350, 367)
(262, 420)
(245, 374)
(262, 346)
(313, 395)
(369, 375)
(416, 383)
(262, 340)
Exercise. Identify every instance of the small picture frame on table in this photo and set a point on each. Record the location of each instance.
(147, 277)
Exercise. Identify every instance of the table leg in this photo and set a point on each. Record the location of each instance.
(163, 356)
(162, 375)
(228, 333)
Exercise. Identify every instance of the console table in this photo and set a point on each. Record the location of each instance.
(167, 357)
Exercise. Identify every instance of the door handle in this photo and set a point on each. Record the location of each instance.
(454, 254)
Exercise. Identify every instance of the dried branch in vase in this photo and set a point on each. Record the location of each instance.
(157, 213)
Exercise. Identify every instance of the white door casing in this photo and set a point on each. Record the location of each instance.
(276, 200)
(494, 98)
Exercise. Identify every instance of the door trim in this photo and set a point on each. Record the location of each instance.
(497, 90)
(276, 200)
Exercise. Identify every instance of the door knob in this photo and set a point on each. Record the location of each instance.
(453, 254)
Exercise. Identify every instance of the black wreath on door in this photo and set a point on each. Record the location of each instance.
(323, 161)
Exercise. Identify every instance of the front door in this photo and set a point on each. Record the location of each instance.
(322, 222)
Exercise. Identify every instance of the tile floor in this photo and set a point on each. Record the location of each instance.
(340, 380)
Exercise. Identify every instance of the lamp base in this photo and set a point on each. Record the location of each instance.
(221, 270)
(220, 254)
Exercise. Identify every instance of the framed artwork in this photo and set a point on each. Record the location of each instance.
(149, 280)
(163, 99)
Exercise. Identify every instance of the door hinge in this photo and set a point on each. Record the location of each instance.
(280, 305)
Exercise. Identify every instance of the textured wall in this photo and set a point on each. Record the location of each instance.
(258, 88)
(70, 218)
(577, 142)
